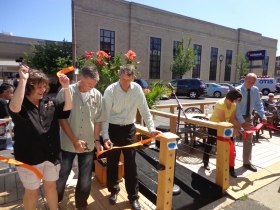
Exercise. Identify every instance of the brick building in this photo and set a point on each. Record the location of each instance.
(117, 26)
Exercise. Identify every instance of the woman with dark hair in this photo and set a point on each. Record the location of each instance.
(224, 111)
(36, 129)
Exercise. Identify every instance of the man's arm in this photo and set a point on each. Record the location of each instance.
(259, 106)
(238, 114)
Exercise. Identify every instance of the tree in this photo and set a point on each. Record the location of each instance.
(185, 59)
(242, 65)
(50, 57)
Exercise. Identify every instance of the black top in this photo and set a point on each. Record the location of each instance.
(3, 108)
(37, 131)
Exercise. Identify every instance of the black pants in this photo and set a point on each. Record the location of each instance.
(121, 136)
(210, 141)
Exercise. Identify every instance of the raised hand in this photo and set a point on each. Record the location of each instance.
(64, 80)
(23, 72)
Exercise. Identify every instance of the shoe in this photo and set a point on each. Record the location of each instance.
(232, 172)
(206, 166)
(250, 167)
(135, 204)
(113, 198)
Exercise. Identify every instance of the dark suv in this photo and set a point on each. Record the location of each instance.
(192, 88)
(142, 83)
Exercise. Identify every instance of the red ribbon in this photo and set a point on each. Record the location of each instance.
(271, 127)
(231, 149)
(252, 130)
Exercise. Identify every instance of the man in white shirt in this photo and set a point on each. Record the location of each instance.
(122, 99)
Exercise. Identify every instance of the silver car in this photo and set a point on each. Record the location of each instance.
(226, 85)
(216, 90)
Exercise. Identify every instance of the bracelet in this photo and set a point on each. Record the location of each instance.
(66, 88)
(96, 140)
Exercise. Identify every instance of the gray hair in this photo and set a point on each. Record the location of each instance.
(91, 72)
(127, 69)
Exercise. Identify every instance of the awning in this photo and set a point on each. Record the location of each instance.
(8, 62)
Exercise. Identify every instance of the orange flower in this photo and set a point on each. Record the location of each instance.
(89, 55)
(130, 55)
(102, 54)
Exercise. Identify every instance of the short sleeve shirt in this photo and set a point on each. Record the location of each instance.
(84, 114)
(3, 108)
(37, 131)
(221, 104)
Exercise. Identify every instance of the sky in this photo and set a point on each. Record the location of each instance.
(51, 19)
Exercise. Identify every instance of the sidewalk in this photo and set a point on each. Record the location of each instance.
(262, 199)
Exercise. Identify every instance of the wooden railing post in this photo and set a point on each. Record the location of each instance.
(166, 177)
(222, 160)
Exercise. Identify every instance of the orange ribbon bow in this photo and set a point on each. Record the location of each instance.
(15, 162)
(136, 144)
(66, 70)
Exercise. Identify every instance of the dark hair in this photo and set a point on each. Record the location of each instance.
(91, 72)
(36, 77)
(5, 86)
(127, 69)
(234, 94)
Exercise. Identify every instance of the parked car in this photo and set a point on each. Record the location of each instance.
(192, 88)
(265, 84)
(216, 90)
(235, 84)
(230, 87)
(143, 83)
(277, 88)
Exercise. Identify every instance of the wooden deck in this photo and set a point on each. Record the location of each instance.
(11, 193)
(266, 156)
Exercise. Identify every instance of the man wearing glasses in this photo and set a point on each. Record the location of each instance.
(80, 134)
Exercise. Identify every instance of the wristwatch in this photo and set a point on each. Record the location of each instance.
(96, 140)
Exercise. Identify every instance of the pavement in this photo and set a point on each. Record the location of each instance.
(265, 198)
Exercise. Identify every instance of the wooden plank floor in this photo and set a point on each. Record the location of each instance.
(11, 193)
(266, 153)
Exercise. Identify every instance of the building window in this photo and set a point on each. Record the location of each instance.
(196, 68)
(265, 65)
(107, 41)
(213, 63)
(227, 65)
(155, 54)
(175, 46)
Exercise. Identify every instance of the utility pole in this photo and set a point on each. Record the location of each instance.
(74, 56)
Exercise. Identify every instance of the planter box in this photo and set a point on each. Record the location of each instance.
(101, 171)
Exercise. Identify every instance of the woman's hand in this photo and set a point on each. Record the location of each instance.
(23, 72)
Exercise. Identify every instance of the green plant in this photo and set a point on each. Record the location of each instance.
(157, 91)
(244, 197)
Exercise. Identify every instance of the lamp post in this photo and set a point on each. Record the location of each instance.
(221, 58)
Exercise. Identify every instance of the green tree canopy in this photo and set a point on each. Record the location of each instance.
(50, 57)
(185, 59)
(242, 66)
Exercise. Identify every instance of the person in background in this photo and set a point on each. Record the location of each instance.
(224, 111)
(36, 129)
(122, 99)
(251, 100)
(80, 134)
(6, 93)
(270, 104)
